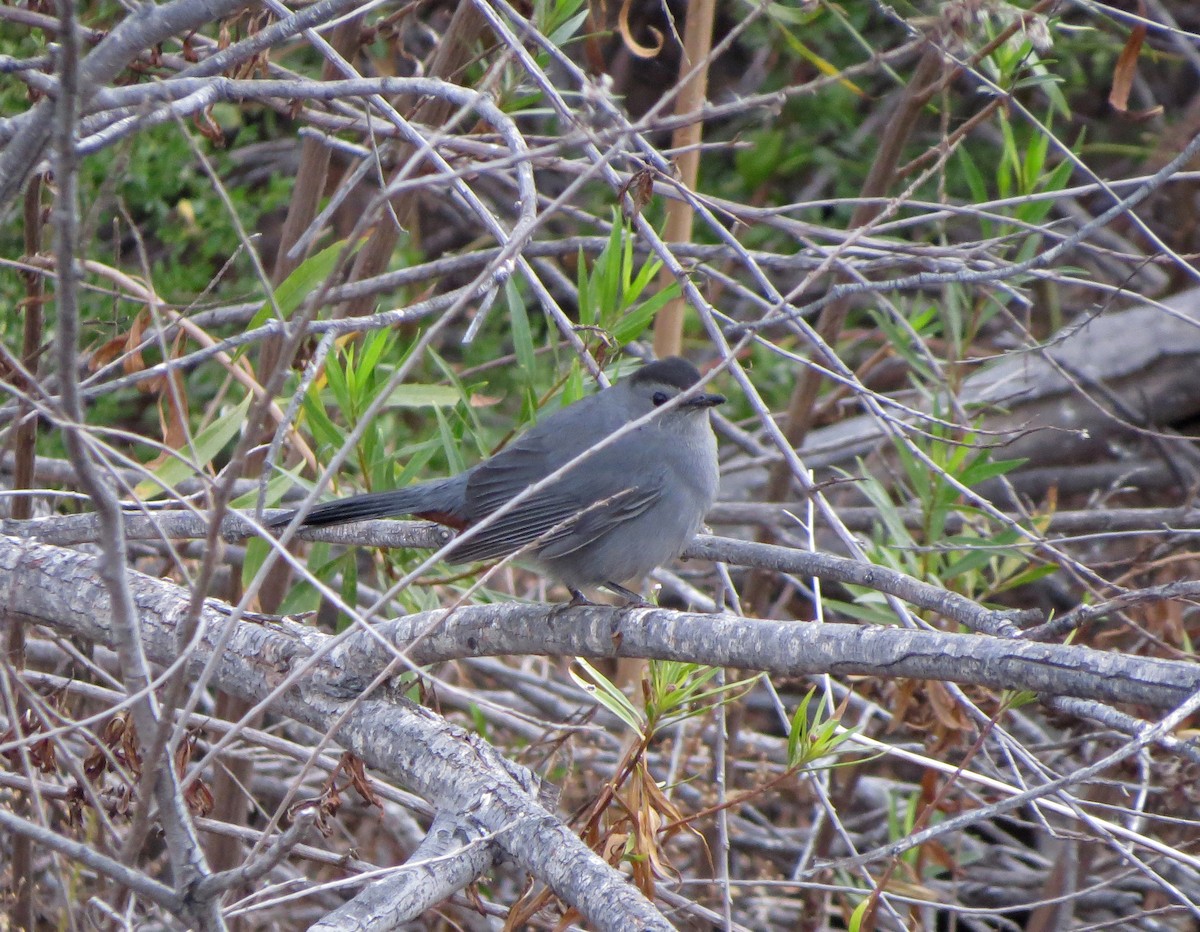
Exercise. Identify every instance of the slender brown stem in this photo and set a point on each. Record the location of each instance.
(693, 69)
(24, 437)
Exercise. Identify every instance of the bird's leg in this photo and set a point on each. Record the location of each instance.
(577, 599)
(635, 600)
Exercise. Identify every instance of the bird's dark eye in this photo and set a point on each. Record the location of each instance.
(660, 398)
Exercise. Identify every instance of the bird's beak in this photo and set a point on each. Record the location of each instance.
(705, 401)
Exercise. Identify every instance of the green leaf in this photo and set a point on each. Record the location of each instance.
(472, 426)
(900, 338)
(879, 614)
(799, 726)
(372, 349)
(417, 395)
(1034, 162)
(307, 276)
(758, 162)
(919, 477)
(790, 14)
(600, 688)
(1035, 211)
(560, 36)
(973, 175)
(1025, 577)
(1015, 699)
(304, 597)
(678, 692)
(256, 553)
(975, 559)
(978, 187)
(984, 469)
(645, 275)
(894, 527)
(521, 336)
(573, 387)
(633, 324)
(276, 488)
(339, 384)
(1009, 167)
(415, 467)
(320, 425)
(859, 914)
(450, 444)
(478, 720)
(606, 275)
(815, 737)
(586, 301)
(202, 450)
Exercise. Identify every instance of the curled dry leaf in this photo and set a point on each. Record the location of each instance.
(641, 51)
(1126, 70)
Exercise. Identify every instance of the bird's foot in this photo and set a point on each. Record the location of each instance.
(578, 600)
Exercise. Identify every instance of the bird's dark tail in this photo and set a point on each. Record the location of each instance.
(441, 500)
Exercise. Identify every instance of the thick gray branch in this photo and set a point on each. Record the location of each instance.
(455, 769)
(783, 648)
(856, 573)
(68, 530)
(177, 525)
(453, 854)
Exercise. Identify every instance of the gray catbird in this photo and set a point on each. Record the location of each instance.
(618, 513)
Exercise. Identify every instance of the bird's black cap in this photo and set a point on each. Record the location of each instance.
(670, 371)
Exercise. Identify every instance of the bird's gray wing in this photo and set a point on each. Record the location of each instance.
(545, 448)
(555, 525)
(567, 512)
(592, 524)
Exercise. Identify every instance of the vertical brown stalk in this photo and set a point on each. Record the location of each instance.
(693, 70)
(668, 325)
(24, 457)
(452, 54)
